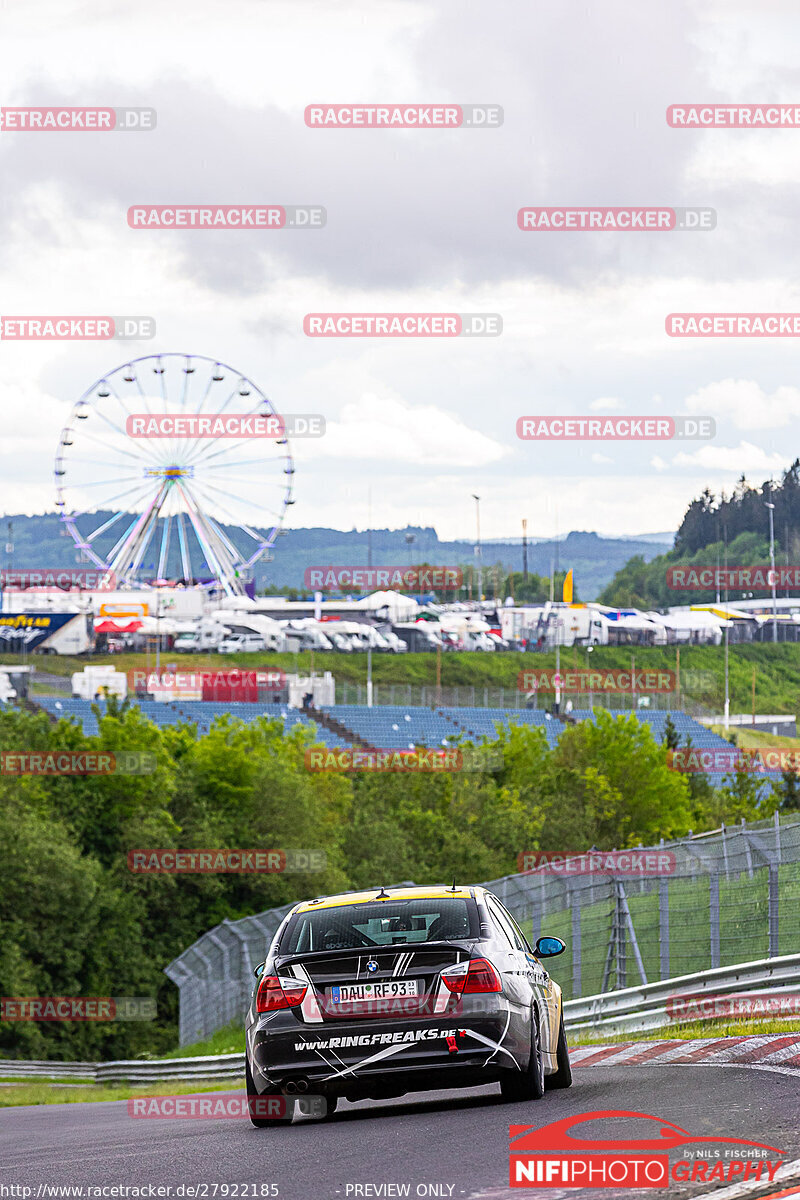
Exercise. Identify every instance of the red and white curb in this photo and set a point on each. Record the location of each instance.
(766, 1052)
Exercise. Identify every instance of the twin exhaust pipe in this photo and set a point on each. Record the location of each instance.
(293, 1088)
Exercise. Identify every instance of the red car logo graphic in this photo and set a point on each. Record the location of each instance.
(556, 1136)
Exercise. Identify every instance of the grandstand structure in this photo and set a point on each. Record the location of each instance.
(393, 727)
(200, 713)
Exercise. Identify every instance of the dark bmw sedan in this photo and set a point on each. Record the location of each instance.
(375, 994)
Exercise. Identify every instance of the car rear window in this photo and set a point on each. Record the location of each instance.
(382, 923)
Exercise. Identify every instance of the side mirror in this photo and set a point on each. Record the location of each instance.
(259, 971)
(549, 947)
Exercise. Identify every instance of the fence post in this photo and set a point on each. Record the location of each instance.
(618, 937)
(773, 910)
(663, 927)
(575, 905)
(713, 915)
(747, 849)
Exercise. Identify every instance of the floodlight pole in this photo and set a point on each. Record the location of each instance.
(771, 508)
(477, 500)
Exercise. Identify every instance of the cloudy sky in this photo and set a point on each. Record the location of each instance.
(417, 221)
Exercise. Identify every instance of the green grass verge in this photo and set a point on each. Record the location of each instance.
(777, 668)
(228, 1040)
(43, 1092)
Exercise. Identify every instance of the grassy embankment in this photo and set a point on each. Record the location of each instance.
(777, 669)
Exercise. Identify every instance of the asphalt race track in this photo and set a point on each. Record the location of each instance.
(455, 1140)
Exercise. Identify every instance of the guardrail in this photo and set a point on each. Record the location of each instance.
(137, 1070)
(641, 1008)
(628, 1011)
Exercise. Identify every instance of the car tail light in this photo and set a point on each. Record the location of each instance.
(476, 975)
(275, 992)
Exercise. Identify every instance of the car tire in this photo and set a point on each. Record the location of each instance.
(562, 1077)
(252, 1094)
(528, 1084)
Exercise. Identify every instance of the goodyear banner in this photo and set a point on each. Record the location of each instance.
(30, 630)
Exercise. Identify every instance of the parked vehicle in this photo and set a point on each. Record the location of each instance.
(416, 637)
(395, 643)
(307, 633)
(240, 643)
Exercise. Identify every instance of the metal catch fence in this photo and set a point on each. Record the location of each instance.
(713, 900)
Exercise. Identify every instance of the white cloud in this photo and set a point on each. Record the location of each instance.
(601, 458)
(746, 404)
(605, 404)
(744, 457)
(389, 430)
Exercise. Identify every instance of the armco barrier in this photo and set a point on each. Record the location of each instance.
(642, 1008)
(609, 1013)
(214, 1066)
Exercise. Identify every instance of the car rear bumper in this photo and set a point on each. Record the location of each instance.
(388, 1057)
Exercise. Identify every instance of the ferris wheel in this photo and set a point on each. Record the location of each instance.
(200, 508)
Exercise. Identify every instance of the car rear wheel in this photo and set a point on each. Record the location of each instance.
(563, 1075)
(528, 1084)
(255, 1103)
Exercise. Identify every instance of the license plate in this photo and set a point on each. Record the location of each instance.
(387, 990)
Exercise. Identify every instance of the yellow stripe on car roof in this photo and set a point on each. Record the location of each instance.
(393, 894)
